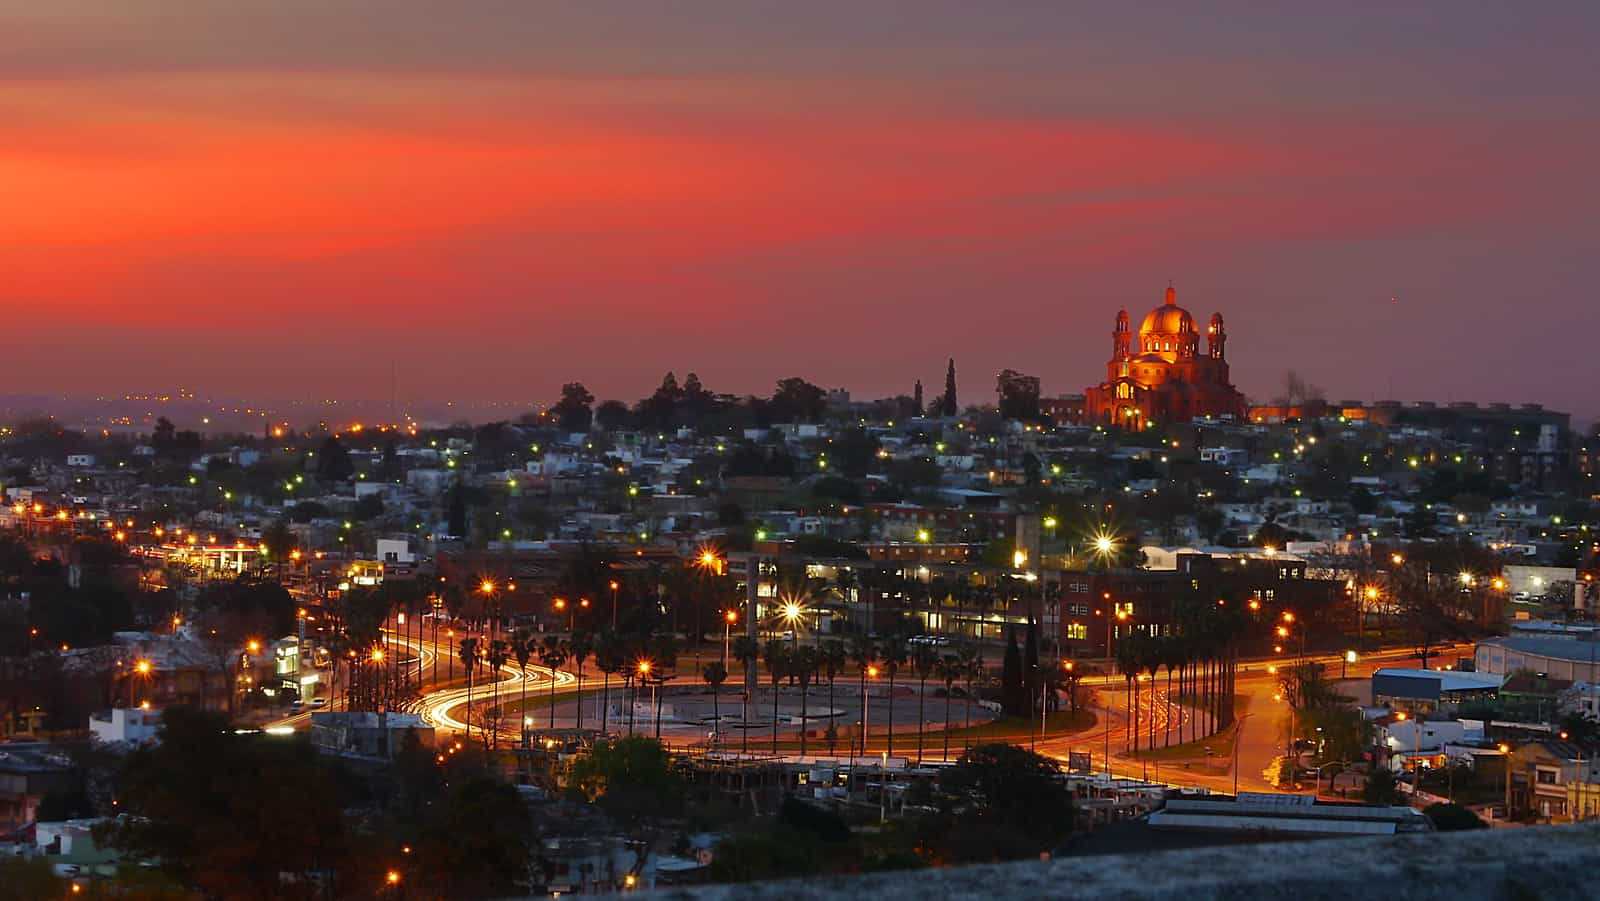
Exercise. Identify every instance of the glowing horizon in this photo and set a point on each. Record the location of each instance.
(288, 195)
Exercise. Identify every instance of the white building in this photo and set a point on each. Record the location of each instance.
(395, 550)
(130, 725)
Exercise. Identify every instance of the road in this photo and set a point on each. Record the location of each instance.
(1259, 740)
(1260, 733)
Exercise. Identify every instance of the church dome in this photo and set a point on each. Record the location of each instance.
(1168, 319)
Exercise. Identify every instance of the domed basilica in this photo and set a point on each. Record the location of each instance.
(1164, 378)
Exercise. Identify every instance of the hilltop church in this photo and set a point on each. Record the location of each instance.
(1165, 378)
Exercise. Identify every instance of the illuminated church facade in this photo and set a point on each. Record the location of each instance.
(1161, 375)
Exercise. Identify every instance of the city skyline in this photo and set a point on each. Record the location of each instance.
(1391, 205)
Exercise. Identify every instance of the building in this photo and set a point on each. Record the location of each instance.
(1166, 377)
(1426, 691)
(1295, 814)
(1572, 659)
(130, 725)
(1555, 779)
(28, 772)
(367, 734)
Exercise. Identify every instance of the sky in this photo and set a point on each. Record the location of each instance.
(284, 199)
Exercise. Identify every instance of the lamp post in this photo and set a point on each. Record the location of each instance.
(1120, 616)
(866, 709)
(1506, 751)
(1238, 733)
(615, 588)
(728, 619)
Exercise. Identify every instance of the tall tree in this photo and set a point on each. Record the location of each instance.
(522, 648)
(715, 674)
(572, 412)
(333, 462)
(457, 510)
(468, 652)
(1030, 665)
(833, 661)
(924, 660)
(894, 657)
(1012, 690)
(797, 400)
(776, 656)
(947, 403)
(580, 646)
(553, 655)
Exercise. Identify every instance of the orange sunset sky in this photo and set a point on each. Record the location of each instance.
(285, 199)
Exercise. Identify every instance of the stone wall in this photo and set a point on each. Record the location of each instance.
(1514, 864)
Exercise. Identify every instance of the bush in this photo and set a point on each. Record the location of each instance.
(1453, 818)
(1381, 787)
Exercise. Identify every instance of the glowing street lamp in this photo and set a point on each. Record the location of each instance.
(728, 619)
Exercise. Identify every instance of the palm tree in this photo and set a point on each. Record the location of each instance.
(894, 657)
(1152, 657)
(833, 661)
(923, 661)
(948, 669)
(746, 649)
(803, 664)
(1128, 665)
(608, 657)
(663, 652)
(499, 653)
(715, 674)
(468, 650)
(776, 655)
(522, 647)
(865, 654)
(972, 669)
(553, 655)
(581, 646)
(1172, 655)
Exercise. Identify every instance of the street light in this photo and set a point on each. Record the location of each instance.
(792, 613)
(615, 588)
(728, 619)
(872, 673)
(1506, 750)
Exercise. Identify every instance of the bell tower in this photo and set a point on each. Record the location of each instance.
(1216, 337)
(1121, 337)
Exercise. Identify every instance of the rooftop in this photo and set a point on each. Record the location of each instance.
(1449, 680)
(1576, 650)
